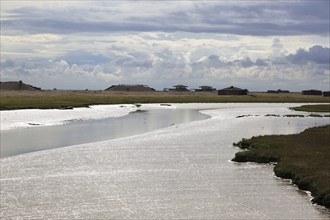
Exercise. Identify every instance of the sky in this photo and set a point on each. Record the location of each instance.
(255, 45)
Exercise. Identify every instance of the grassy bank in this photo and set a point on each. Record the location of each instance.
(304, 158)
(313, 108)
(62, 99)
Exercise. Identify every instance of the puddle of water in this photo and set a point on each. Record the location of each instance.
(20, 141)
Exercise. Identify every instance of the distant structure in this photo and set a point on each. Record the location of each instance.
(326, 93)
(130, 88)
(278, 91)
(205, 89)
(14, 85)
(179, 88)
(232, 91)
(312, 92)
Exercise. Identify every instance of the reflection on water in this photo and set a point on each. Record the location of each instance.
(182, 172)
(19, 141)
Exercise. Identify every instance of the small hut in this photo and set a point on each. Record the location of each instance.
(205, 89)
(130, 88)
(278, 91)
(312, 92)
(180, 88)
(326, 93)
(232, 91)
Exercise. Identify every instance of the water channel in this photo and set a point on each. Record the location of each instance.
(14, 142)
(183, 171)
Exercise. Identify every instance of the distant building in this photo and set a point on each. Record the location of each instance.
(179, 88)
(205, 89)
(130, 88)
(14, 85)
(312, 92)
(278, 91)
(326, 93)
(232, 91)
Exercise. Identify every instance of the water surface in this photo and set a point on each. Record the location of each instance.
(179, 172)
(19, 141)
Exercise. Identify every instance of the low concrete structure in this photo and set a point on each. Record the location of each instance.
(130, 88)
(205, 89)
(232, 91)
(312, 92)
(278, 91)
(326, 93)
(179, 88)
(14, 85)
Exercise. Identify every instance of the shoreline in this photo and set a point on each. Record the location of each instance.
(294, 159)
(24, 118)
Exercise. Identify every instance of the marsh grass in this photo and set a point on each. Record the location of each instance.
(313, 108)
(61, 99)
(304, 158)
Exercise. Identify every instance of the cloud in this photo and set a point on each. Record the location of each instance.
(265, 18)
(89, 44)
(316, 54)
(83, 57)
(165, 67)
(261, 62)
(57, 74)
(277, 48)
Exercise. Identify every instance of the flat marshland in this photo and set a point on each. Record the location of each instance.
(304, 158)
(65, 99)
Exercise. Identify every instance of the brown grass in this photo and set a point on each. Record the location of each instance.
(60, 98)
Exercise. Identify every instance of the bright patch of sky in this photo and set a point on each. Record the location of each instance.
(257, 45)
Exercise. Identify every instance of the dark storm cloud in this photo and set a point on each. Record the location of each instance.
(260, 18)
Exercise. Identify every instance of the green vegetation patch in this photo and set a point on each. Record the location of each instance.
(304, 158)
(294, 116)
(313, 108)
(10, 100)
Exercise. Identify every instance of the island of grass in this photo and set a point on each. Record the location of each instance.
(313, 108)
(304, 158)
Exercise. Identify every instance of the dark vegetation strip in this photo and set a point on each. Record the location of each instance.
(290, 115)
(304, 158)
(313, 108)
(69, 99)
